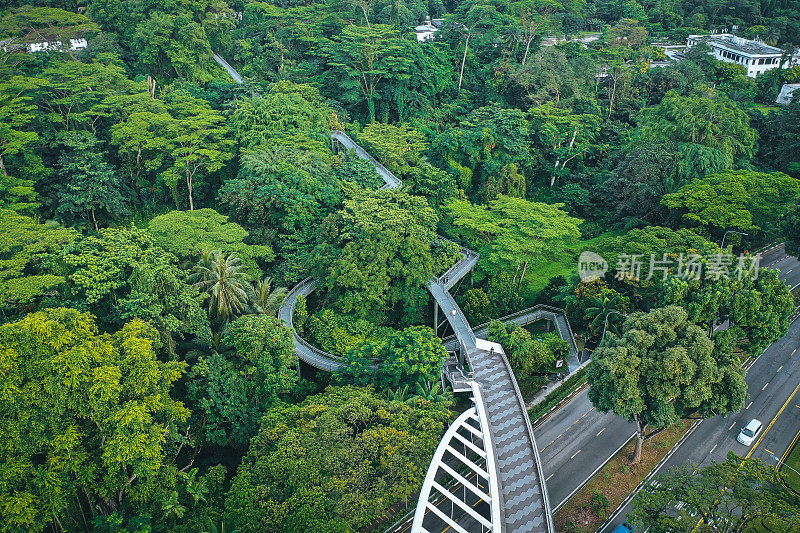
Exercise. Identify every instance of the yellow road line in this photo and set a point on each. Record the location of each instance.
(755, 446)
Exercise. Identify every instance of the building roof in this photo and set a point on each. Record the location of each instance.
(745, 46)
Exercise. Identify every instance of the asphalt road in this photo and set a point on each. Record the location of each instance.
(773, 385)
(576, 440)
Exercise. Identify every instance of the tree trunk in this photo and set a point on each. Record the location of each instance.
(95, 221)
(371, 107)
(522, 276)
(527, 47)
(189, 187)
(463, 61)
(3, 166)
(637, 453)
(613, 95)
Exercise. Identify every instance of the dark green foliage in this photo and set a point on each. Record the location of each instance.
(362, 454)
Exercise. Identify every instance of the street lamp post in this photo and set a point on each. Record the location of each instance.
(726, 234)
(784, 464)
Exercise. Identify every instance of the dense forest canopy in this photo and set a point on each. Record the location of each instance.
(154, 213)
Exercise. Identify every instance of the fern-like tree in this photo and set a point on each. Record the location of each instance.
(226, 284)
(267, 298)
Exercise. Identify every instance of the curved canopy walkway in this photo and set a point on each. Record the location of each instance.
(496, 432)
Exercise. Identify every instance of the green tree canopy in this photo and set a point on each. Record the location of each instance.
(189, 233)
(375, 254)
(740, 199)
(713, 130)
(734, 495)
(360, 455)
(87, 418)
(121, 274)
(514, 233)
(662, 369)
(25, 246)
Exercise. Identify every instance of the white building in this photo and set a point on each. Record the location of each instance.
(427, 29)
(755, 56)
(42, 46)
(787, 91)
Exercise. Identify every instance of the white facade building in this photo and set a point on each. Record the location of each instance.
(755, 56)
(427, 29)
(787, 91)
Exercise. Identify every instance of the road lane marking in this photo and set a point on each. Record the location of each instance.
(730, 428)
(714, 448)
(576, 453)
(794, 351)
(548, 477)
(748, 405)
(602, 430)
(765, 385)
(755, 446)
(779, 369)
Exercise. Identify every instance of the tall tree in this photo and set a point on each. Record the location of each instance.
(376, 254)
(88, 419)
(91, 186)
(661, 369)
(199, 144)
(221, 277)
(732, 495)
(514, 232)
(363, 58)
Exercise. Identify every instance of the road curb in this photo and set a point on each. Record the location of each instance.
(649, 476)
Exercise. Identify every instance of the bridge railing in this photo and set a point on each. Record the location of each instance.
(366, 155)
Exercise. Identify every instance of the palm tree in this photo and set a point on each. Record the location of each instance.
(172, 507)
(267, 299)
(429, 391)
(597, 313)
(400, 395)
(224, 281)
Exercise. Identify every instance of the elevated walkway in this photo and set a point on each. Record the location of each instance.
(498, 426)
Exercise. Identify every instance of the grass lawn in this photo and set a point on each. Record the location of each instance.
(766, 108)
(617, 479)
(538, 276)
(793, 462)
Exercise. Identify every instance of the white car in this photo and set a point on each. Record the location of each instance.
(750, 432)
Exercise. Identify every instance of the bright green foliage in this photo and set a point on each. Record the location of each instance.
(563, 136)
(339, 334)
(284, 113)
(714, 130)
(487, 140)
(662, 369)
(24, 245)
(364, 59)
(223, 279)
(741, 199)
(599, 314)
(267, 298)
(121, 274)
(402, 358)
(377, 254)
(267, 346)
(476, 306)
(84, 416)
(174, 46)
(397, 147)
(232, 391)
(513, 233)
(780, 139)
(360, 455)
(16, 114)
(526, 354)
(734, 495)
(198, 145)
(656, 240)
(189, 233)
(790, 227)
(353, 169)
(90, 187)
(761, 310)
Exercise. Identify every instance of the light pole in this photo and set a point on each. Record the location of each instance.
(726, 234)
(605, 324)
(784, 464)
